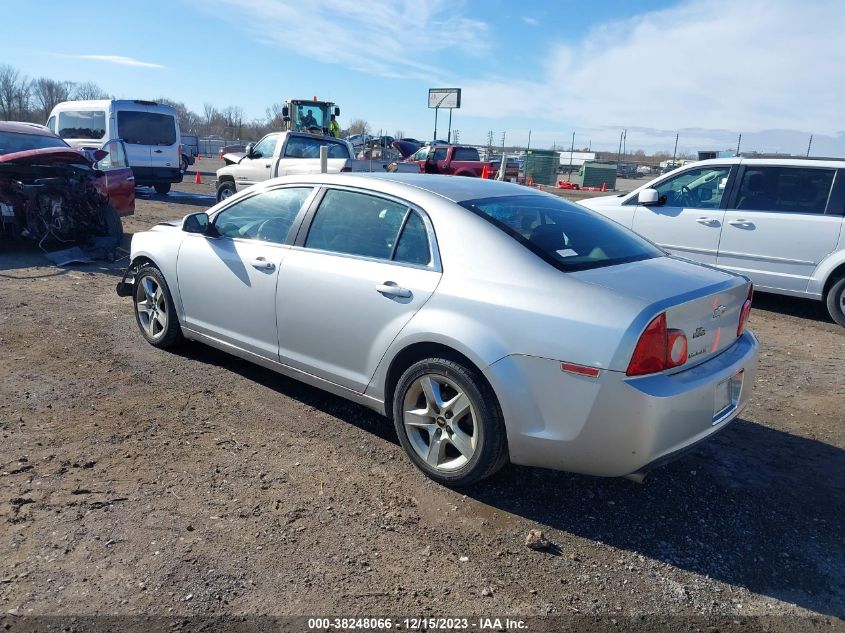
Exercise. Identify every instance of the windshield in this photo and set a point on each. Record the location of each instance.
(89, 124)
(310, 115)
(565, 235)
(11, 142)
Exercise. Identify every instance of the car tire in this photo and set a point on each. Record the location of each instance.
(162, 188)
(226, 189)
(112, 226)
(449, 422)
(183, 166)
(155, 312)
(835, 300)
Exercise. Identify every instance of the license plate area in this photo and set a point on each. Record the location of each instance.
(726, 398)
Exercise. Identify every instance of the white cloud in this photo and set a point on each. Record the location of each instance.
(711, 64)
(530, 21)
(381, 38)
(118, 59)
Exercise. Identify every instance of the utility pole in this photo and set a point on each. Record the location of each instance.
(489, 141)
(675, 151)
(457, 136)
(503, 141)
(624, 142)
(571, 151)
(619, 151)
(738, 143)
(809, 145)
(529, 141)
(449, 138)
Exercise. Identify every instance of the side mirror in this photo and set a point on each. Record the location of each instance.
(337, 111)
(648, 197)
(249, 147)
(285, 112)
(195, 223)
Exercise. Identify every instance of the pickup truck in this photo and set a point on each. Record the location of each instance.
(291, 153)
(453, 160)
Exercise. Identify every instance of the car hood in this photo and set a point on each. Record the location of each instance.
(603, 202)
(233, 158)
(405, 148)
(52, 156)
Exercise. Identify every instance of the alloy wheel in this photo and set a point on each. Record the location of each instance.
(440, 422)
(151, 306)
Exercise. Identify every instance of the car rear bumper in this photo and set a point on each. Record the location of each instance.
(615, 425)
(145, 176)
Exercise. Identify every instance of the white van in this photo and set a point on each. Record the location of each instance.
(149, 130)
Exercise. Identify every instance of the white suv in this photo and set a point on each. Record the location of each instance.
(779, 222)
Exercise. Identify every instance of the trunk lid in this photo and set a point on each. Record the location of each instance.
(703, 302)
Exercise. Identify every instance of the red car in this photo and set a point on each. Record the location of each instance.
(52, 192)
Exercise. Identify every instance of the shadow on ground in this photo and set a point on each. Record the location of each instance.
(753, 507)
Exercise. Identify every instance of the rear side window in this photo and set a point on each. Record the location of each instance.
(565, 235)
(360, 224)
(784, 189)
(146, 128)
(298, 147)
(465, 153)
(82, 124)
(438, 154)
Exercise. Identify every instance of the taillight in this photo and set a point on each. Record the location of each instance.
(746, 312)
(659, 348)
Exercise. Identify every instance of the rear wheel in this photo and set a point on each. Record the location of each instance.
(162, 187)
(155, 313)
(836, 301)
(449, 422)
(183, 166)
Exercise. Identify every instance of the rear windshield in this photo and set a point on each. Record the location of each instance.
(146, 128)
(82, 124)
(565, 235)
(11, 142)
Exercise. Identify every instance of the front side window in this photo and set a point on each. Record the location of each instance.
(116, 158)
(696, 188)
(784, 189)
(300, 147)
(146, 128)
(90, 124)
(265, 147)
(563, 234)
(51, 124)
(438, 154)
(266, 216)
(360, 224)
(421, 154)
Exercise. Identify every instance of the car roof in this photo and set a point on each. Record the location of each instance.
(773, 162)
(453, 188)
(21, 127)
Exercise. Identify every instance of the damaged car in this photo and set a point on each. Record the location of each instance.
(61, 196)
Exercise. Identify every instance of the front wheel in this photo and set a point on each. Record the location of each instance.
(155, 313)
(836, 301)
(225, 190)
(183, 166)
(162, 188)
(449, 422)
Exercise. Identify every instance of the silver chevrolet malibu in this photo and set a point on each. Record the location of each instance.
(490, 321)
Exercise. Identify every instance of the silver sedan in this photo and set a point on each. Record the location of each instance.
(490, 321)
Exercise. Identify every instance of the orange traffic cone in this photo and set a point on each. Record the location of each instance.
(604, 186)
(485, 171)
(198, 180)
(199, 157)
(530, 181)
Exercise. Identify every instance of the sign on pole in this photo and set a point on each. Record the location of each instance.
(444, 98)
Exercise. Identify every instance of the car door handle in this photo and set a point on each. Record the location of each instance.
(262, 264)
(267, 165)
(744, 223)
(158, 151)
(130, 179)
(708, 221)
(390, 289)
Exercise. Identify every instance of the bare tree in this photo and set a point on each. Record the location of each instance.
(274, 116)
(47, 93)
(209, 112)
(10, 79)
(359, 126)
(89, 90)
(399, 134)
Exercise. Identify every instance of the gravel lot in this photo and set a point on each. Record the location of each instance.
(136, 481)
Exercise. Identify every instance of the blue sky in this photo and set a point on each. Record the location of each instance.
(771, 69)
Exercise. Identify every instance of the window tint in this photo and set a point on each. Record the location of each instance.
(265, 147)
(421, 154)
(565, 235)
(438, 154)
(786, 189)
(697, 188)
(298, 147)
(146, 128)
(412, 247)
(51, 124)
(266, 216)
(116, 158)
(84, 124)
(466, 153)
(11, 142)
(356, 224)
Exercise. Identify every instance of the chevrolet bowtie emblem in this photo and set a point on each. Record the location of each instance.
(719, 311)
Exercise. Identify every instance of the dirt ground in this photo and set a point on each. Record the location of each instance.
(135, 481)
